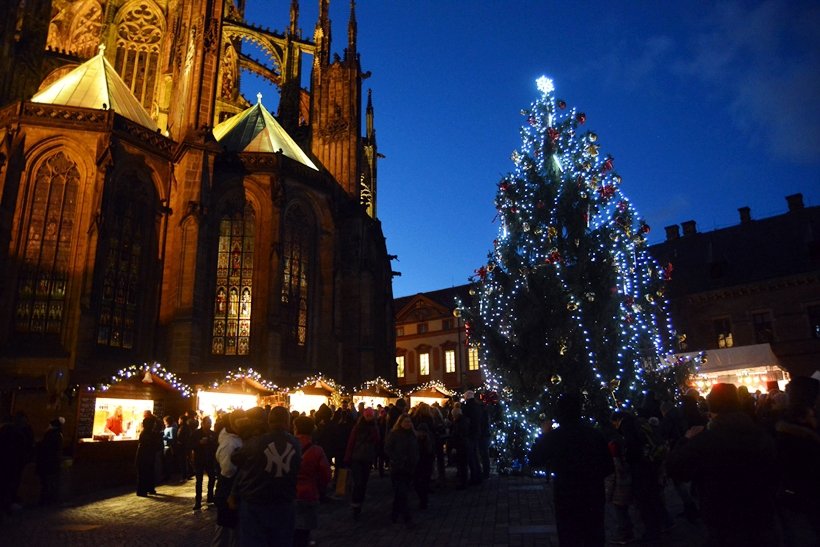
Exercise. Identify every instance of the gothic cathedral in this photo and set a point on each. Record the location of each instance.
(151, 212)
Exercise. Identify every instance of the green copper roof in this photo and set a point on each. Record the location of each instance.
(256, 130)
(95, 84)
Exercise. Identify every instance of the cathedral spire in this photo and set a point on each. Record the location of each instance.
(369, 132)
(293, 29)
(352, 30)
(321, 36)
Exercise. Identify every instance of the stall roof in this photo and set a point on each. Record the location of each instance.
(432, 392)
(206, 380)
(376, 391)
(736, 358)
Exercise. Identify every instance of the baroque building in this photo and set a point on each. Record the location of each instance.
(149, 211)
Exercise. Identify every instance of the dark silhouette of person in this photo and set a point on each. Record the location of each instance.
(577, 456)
(719, 459)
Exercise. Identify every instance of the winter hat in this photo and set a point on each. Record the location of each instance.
(469, 394)
(723, 398)
(279, 418)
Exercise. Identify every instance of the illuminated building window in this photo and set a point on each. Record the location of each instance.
(399, 331)
(762, 323)
(723, 333)
(450, 360)
(297, 250)
(400, 366)
(126, 232)
(424, 364)
(234, 285)
(41, 289)
(139, 35)
(472, 358)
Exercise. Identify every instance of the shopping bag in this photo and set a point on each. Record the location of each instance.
(341, 482)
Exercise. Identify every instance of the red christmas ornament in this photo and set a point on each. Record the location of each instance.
(495, 243)
(504, 186)
(581, 117)
(630, 300)
(531, 120)
(645, 228)
(608, 164)
(553, 134)
(629, 319)
(562, 105)
(555, 256)
(513, 209)
(606, 191)
(481, 272)
(667, 271)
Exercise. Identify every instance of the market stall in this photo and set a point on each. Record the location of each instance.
(754, 366)
(239, 389)
(374, 393)
(109, 421)
(432, 393)
(312, 393)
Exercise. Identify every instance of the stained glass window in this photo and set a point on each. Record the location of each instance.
(234, 285)
(43, 278)
(296, 263)
(125, 240)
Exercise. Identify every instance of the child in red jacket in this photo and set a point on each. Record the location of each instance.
(313, 478)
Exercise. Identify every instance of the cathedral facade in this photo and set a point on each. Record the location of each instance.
(150, 212)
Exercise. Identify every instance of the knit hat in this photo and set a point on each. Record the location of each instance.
(279, 418)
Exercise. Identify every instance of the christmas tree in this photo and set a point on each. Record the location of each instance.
(569, 300)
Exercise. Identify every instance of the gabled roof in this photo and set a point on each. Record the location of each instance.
(256, 130)
(442, 301)
(95, 84)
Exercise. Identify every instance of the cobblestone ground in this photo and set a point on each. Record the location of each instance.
(511, 510)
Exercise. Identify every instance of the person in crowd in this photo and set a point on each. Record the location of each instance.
(150, 445)
(423, 424)
(169, 441)
(265, 485)
(227, 520)
(49, 455)
(798, 449)
(24, 456)
(618, 487)
(719, 460)
(672, 429)
(747, 402)
(459, 431)
(12, 450)
(185, 434)
(311, 482)
(402, 448)
(381, 423)
(472, 410)
(578, 457)
(643, 453)
(204, 442)
(360, 455)
(440, 436)
(342, 426)
(691, 411)
(484, 440)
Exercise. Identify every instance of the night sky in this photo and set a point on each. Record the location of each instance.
(706, 107)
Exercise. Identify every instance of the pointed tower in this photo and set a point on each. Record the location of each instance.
(336, 104)
(291, 71)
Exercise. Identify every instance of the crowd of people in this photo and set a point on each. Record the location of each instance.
(270, 461)
(745, 464)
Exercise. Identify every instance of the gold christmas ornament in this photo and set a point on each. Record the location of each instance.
(555, 380)
(592, 150)
(471, 291)
(592, 137)
(526, 226)
(457, 312)
(614, 384)
(551, 232)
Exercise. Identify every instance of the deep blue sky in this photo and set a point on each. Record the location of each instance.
(706, 107)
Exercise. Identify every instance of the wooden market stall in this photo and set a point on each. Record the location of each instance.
(312, 393)
(376, 393)
(430, 394)
(109, 421)
(239, 389)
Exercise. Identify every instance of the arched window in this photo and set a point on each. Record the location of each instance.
(41, 290)
(128, 228)
(297, 250)
(139, 35)
(234, 285)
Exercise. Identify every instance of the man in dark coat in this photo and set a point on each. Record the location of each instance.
(578, 457)
(49, 457)
(720, 460)
(472, 411)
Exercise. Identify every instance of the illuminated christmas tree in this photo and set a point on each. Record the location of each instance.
(569, 300)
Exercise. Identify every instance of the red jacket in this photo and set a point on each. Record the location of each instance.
(314, 473)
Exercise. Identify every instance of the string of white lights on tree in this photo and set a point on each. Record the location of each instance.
(569, 299)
